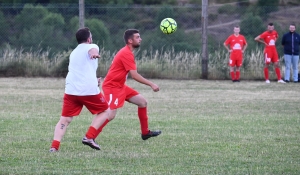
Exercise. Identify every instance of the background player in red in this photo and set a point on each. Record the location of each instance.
(268, 38)
(237, 45)
(115, 89)
(82, 89)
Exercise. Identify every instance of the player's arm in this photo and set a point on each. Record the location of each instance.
(226, 46)
(94, 53)
(137, 77)
(244, 48)
(259, 39)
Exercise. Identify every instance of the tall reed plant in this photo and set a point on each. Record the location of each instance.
(151, 64)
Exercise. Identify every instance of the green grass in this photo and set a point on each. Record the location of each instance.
(209, 127)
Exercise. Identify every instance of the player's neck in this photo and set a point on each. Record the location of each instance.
(236, 34)
(130, 47)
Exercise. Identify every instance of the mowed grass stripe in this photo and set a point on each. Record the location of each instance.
(209, 127)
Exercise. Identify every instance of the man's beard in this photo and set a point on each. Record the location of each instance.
(136, 46)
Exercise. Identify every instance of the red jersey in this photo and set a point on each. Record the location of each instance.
(236, 43)
(122, 63)
(270, 38)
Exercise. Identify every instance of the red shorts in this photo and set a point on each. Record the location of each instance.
(116, 97)
(271, 56)
(236, 59)
(72, 104)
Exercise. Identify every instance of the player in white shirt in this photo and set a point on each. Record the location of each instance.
(82, 89)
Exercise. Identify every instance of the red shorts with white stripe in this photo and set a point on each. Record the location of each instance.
(116, 97)
(271, 56)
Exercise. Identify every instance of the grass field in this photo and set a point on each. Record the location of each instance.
(208, 127)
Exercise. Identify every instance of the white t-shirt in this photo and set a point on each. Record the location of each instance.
(81, 79)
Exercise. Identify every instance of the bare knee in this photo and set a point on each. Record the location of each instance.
(65, 120)
(112, 114)
(143, 103)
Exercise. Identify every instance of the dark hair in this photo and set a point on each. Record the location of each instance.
(293, 24)
(236, 26)
(82, 35)
(128, 34)
(270, 24)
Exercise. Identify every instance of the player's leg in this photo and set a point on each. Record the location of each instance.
(70, 108)
(275, 60)
(141, 102)
(266, 67)
(231, 67)
(98, 106)
(239, 62)
(111, 115)
(59, 132)
(295, 61)
(115, 99)
(288, 62)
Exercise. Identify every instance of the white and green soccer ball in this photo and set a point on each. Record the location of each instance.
(168, 26)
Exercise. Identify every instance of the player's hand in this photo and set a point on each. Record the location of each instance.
(99, 81)
(95, 56)
(155, 88)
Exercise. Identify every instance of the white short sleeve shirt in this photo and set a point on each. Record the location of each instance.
(81, 79)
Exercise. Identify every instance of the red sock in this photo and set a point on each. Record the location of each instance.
(266, 72)
(91, 133)
(232, 75)
(101, 127)
(55, 144)
(142, 113)
(277, 71)
(238, 75)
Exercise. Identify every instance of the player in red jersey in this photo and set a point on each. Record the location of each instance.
(237, 45)
(268, 38)
(116, 91)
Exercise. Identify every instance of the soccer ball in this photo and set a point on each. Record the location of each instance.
(168, 26)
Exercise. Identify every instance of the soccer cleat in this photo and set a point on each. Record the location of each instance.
(151, 134)
(281, 81)
(53, 150)
(91, 143)
(267, 81)
(287, 81)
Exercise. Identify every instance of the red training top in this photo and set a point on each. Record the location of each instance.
(122, 63)
(236, 43)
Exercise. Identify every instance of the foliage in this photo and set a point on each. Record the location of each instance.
(227, 9)
(160, 63)
(101, 35)
(267, 6)
(4, 28)
(252, 25)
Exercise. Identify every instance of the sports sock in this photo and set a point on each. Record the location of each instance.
(91, 133)
(142, 113)
(238, 75)
(101, 127)
(266, 72)
(55, 144)
(277, 71)
(232, 75)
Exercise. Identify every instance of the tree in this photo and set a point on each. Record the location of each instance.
(267, 6)
(4, 28)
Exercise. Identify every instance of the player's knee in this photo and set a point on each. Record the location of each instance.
(65, 120)
(143, 103)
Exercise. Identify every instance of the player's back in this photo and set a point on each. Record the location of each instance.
(81, 78)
